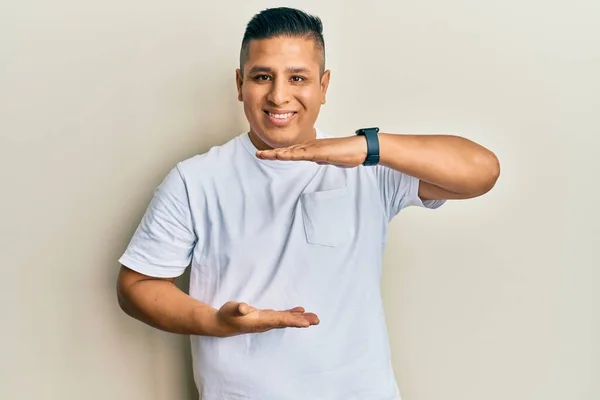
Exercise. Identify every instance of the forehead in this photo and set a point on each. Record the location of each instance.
(282, 52)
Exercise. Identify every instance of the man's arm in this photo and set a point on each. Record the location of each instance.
(449, 167)
(159, 303)
(162, 305)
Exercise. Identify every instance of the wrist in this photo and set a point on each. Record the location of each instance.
(207, 322)
(220, 327)
(361, 146)
(372, 156)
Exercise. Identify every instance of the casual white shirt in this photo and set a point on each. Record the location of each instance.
(280, 234)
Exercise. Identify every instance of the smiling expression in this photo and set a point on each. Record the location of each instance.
(282, 88)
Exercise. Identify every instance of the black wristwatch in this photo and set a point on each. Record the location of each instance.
(372, 145)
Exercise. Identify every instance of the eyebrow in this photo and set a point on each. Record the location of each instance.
(292, 70)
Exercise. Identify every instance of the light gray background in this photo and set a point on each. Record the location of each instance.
(493, 298)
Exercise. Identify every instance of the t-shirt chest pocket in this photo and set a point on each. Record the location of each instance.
(327, 216)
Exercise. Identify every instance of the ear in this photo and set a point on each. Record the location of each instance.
(324, 85)
(239, 80)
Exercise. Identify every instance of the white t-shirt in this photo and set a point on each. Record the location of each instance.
(277, 235)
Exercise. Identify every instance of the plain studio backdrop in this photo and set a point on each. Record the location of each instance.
(493, 298)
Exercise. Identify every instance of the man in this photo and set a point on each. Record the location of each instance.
(284, 228)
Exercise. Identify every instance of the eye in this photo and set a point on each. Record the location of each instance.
(261, 78)
(297, 78)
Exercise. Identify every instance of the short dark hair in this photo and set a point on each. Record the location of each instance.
(283, 21)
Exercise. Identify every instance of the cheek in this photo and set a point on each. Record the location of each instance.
(309, 97)
(249, 100)
(252, 98)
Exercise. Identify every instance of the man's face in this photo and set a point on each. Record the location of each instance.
(282, 90)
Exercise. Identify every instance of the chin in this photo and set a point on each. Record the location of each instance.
(279, 136)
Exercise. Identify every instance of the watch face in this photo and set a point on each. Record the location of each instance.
(363, 131)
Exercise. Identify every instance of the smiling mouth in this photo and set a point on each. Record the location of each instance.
(280, 115)
(280, 118)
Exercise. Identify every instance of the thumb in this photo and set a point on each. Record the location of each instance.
(242, 308)
(245, 309)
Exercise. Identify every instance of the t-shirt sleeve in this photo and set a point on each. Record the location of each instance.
(399, 190)
(163, 242)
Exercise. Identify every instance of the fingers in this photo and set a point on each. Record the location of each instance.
(296, 152)
(282, 154)
(250, 319)
(296, 310)
(285, 153)
(288, 320)
(296, 319)
(312, 318)
(264, 320)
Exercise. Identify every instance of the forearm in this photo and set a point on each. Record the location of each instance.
(163, 305)
(453, 163)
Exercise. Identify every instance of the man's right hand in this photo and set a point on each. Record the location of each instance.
(236, 318)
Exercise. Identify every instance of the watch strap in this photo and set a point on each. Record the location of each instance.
(372, 138)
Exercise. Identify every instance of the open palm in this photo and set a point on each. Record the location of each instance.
(240, 318)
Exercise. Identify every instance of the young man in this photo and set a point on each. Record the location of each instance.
(284, 228)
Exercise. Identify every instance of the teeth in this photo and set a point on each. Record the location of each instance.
(281, 116)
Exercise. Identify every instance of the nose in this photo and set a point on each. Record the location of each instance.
(279, 93)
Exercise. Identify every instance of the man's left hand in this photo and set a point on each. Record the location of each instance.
(343, 152)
